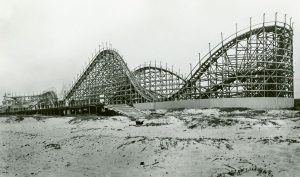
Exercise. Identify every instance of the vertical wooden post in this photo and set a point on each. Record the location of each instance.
(223, 63)
(250, 58)
(191, 86)
(236, 60)
(172, 91)
(209, 72)
(264, 55)
(199, 79)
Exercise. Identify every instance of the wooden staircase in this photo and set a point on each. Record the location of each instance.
(127, 110)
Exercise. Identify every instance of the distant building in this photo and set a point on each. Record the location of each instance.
(22, 103)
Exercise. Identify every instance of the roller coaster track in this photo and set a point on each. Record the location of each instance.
(214, 55)
(255, 61)
(141, 69)
(157, 80)
(106, 57)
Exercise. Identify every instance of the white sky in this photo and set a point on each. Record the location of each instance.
(45, 43)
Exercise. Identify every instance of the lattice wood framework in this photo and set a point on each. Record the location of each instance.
(107, 80)
(162, 82)
(256, 63)
(46, 99)
(253, 62)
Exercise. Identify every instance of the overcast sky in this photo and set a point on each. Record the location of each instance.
(45, 43)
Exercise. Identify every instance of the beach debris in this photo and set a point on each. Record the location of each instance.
(139, 122)
(52, 145)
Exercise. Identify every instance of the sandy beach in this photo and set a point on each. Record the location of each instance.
(209, 142)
